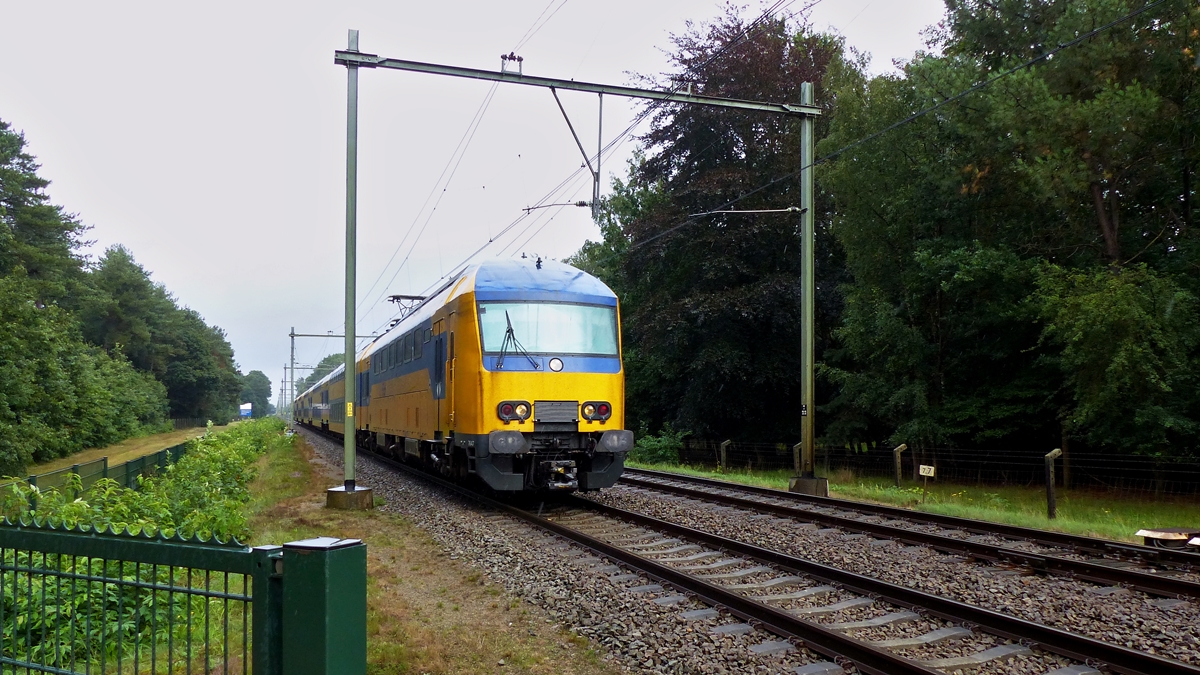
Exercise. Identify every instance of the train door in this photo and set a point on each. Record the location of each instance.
(450, 384)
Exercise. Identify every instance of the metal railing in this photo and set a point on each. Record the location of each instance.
(86, 601)
(125, 474)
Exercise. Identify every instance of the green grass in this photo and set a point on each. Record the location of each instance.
(1083, 512)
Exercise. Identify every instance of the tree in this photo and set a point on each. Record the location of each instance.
(711, 309)
(125, 310)
(990, 240)
(35, 235)
(61, 395)
(256, 389)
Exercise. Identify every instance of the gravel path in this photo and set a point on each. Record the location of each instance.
(1131, 619)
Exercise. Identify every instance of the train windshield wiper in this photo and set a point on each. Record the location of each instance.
(511, 341)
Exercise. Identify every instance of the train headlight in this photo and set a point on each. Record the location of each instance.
(513, 411)
(596, 411)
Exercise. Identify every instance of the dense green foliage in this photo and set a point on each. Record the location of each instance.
(127, 311)
(89, 354)
(711, 312)
(1017, 268)
(662, 448)
(1023, 263)
(202, 494)
(60, 394)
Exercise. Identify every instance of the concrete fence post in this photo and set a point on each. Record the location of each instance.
(896, 457)
(1051, 501)
(724, 454)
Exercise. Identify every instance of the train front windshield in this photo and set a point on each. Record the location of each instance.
(550, 327)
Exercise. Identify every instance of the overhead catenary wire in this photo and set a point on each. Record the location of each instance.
(467, 136)
(750, 31)
(460, 151)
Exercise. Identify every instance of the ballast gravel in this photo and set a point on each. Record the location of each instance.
(635, 632)
(1127, 618)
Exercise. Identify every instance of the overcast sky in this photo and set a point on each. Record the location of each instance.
(209, 139)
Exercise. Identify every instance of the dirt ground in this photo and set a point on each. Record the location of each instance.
(426, 614)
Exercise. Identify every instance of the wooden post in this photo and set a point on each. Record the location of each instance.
(896, 455)
(1051, 503)
(724, 458)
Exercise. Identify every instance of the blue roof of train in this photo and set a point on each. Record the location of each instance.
(520, 279)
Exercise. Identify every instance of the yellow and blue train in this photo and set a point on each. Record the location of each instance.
(511, 372)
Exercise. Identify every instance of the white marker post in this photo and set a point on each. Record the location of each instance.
(927, 472)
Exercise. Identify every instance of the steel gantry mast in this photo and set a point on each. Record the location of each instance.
(354, 59)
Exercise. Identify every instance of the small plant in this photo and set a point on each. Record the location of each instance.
(661, 449)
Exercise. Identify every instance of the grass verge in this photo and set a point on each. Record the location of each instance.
(1083, 512)
(426, 613)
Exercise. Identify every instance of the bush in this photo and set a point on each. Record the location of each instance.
(202, 494)
(661, 449)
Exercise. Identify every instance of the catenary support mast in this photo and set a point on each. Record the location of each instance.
(353, 59)
(350, 436)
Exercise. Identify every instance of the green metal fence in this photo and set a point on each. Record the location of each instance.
(85, 601)
(125, 474)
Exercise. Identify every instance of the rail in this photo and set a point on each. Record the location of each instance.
(830, 643)
(1078, 543)
(1157, 584)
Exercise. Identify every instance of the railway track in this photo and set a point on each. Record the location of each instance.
(744, 580)
(1080, 544)
(1155, 571)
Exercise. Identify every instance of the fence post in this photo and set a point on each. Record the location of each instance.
(724, 459)
(796, 450)
(104, 471)
(896, 457)
(325, 607)
(267, 610)
(1051, 503)
(75, 470)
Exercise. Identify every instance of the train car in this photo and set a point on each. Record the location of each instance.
(510, 373)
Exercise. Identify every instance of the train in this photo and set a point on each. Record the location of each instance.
(510, 374)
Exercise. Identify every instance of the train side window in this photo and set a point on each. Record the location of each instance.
(428, 335)
(418, 350)
(408, 347)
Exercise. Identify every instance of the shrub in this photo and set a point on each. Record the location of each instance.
(202, 494)
(661, 449)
